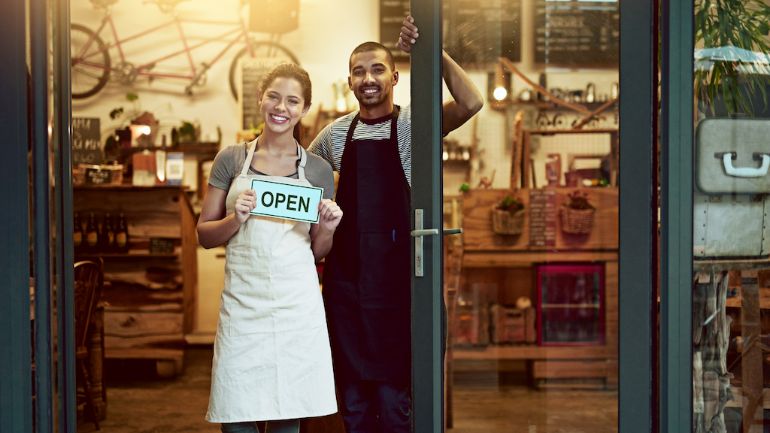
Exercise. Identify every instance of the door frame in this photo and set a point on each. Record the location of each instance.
(15, 329)
(427, 291)
(676, 216)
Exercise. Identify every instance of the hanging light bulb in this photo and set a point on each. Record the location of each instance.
(500, 93)
(498, 87)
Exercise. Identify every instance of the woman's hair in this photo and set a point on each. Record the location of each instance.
(289, 70)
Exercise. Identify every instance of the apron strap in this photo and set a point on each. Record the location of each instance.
(300, 167)
(302, 162)
(249, 157)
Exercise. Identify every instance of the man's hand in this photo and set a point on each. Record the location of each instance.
(330, 215)
(408, 35)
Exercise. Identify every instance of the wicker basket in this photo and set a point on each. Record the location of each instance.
(506, 223)
(577, 221)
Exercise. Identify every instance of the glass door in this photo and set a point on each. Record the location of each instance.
(552, 278)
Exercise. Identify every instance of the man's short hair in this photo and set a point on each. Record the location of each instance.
(372, 46)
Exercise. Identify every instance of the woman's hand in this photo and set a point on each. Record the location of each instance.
(245, 203)
(329, 215)
(408, 35)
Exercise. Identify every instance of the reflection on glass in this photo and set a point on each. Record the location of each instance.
(532, 286)
(731, 241)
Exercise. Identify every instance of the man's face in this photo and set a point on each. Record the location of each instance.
(372, 78)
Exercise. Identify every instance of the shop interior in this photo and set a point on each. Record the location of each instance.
(531, 286)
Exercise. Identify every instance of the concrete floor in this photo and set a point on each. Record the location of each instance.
(137, 402)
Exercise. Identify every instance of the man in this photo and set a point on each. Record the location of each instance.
(367, 280)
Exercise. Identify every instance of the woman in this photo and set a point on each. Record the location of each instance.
(271, 356)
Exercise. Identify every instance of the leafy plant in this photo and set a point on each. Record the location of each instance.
(579, 201)
(743, 24)
(510, 204)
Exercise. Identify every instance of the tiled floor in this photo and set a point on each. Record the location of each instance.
(139, 403)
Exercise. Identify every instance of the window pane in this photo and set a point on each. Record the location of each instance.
(730, 235)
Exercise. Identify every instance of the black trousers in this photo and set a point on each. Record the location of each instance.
(375, 407)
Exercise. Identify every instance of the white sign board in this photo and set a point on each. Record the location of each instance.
(285, 200)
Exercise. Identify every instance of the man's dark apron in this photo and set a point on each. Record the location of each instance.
(367, 280)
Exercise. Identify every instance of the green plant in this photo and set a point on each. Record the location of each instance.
(579, 201)
(510, 204)
(118, 112)
(743, 24)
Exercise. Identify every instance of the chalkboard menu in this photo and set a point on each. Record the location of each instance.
(86, 137)
(476, 32)
(577, 33)
(392, 13)
(542, 218)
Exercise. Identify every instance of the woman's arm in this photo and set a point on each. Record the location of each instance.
(322, 234)
(214, 228)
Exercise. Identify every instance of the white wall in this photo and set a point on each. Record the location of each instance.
(328, 31)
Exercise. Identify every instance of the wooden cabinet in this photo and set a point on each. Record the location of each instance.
(149, 296)
(505, 267)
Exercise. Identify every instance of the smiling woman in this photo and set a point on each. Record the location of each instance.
(272, 360)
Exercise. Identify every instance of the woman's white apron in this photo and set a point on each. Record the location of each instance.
(271, 355)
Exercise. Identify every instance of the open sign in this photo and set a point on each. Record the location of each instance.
(287, 200)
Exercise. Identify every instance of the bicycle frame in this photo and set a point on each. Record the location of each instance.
(231, 37)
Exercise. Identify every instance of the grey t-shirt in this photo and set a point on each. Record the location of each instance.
(229, 163)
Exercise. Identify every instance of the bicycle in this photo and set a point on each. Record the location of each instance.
(92, 66)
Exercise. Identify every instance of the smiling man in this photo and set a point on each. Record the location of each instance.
(367, 279)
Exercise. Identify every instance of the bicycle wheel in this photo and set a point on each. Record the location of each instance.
(266, 53)
(90, 67)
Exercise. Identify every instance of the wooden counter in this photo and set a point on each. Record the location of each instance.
(507, 262)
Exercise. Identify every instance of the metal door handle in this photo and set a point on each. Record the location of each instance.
(433, 232)
(418, 233)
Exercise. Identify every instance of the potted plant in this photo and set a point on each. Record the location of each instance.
(731, 59)
(508, 216)
(577, 214)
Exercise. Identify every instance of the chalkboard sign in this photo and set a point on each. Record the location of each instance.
(252, 71)
(577, 33)
(392, 13)
(476, 32)
(86, 137)
(542, 218)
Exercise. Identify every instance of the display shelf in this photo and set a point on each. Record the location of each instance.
(505, 265)
(135, 254)
(149, 297)
(527, 352)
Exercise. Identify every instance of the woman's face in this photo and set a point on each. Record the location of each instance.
(282, 105)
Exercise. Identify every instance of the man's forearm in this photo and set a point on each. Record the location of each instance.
(467, 98)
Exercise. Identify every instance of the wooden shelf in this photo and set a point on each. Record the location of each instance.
(737, 302)
(126, 187)
(134, 254)
(525, 352)
(567, 306)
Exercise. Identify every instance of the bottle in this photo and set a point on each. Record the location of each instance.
(92, 234)
(543, 82)
(121, 235)
(106, 234)
(77, 233)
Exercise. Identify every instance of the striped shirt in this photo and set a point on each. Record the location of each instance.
(330, 142)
